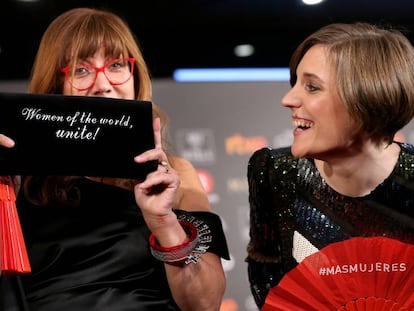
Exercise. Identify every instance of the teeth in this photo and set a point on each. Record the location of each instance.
(302, 123)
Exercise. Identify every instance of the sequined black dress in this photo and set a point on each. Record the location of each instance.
(94, 257)
(287, 194)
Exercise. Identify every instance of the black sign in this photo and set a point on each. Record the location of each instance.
(75, 135)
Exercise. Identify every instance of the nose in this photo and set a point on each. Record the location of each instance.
(291, 99)
(102, 84)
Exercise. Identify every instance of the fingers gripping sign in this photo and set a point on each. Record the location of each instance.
(157, 133)
(156, 194)
(158, 143)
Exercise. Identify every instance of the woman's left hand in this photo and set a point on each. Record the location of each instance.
(156, 194)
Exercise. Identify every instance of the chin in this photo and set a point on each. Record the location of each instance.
(298, 152)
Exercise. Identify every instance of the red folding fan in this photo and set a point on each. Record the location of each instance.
(358, 274)
(14, 258)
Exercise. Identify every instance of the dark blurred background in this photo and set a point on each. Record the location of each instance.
(197, 33)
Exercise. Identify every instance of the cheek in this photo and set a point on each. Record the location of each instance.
(68, 90)
(345, 127)
(128, 90)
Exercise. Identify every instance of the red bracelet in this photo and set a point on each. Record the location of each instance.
(177, 252)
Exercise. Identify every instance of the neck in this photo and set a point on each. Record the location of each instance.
(359, 172)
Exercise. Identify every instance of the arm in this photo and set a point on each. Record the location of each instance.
(195, 285)
(263, 250)
(204, 281)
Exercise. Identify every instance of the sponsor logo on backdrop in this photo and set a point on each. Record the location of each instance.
(208, 183)
(237, 185)
(196, 145)
(207, 180)
(242, 145)
(399, 136)
(229, 304)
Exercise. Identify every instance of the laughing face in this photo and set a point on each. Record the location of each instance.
(323, 126)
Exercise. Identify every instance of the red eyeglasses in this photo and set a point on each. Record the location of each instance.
(83, 76)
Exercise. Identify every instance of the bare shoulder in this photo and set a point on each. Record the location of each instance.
(180, 163)
(191, 196)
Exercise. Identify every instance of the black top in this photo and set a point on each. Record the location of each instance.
(288, 195)
(95, 257)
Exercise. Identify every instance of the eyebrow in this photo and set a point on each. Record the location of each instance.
(313, 76)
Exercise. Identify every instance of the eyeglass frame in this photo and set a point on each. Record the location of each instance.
(67, 69)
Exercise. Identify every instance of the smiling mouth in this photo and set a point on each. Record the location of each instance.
(302, 124)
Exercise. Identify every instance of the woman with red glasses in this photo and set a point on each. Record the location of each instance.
(106, 243)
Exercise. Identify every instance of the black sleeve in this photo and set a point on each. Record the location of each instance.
(211, 229)
(264, 261)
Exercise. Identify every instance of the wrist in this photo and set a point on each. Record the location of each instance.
(167, 230)
(178, 252)
(190, 249)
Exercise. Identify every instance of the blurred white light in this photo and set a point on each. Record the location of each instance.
(312, 2)
(244, 50)
(231, 74)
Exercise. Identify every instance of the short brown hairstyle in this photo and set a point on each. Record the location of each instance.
(374, 74)
(78, 34)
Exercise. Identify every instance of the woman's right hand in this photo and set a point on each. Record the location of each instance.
(7, 142)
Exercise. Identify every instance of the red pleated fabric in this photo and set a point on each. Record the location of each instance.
(14, 258)
(359, 274)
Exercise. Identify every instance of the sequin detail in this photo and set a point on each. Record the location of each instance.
(288, 194)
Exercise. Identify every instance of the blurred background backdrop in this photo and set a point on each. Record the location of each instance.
(197, 33)
(216, 125)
